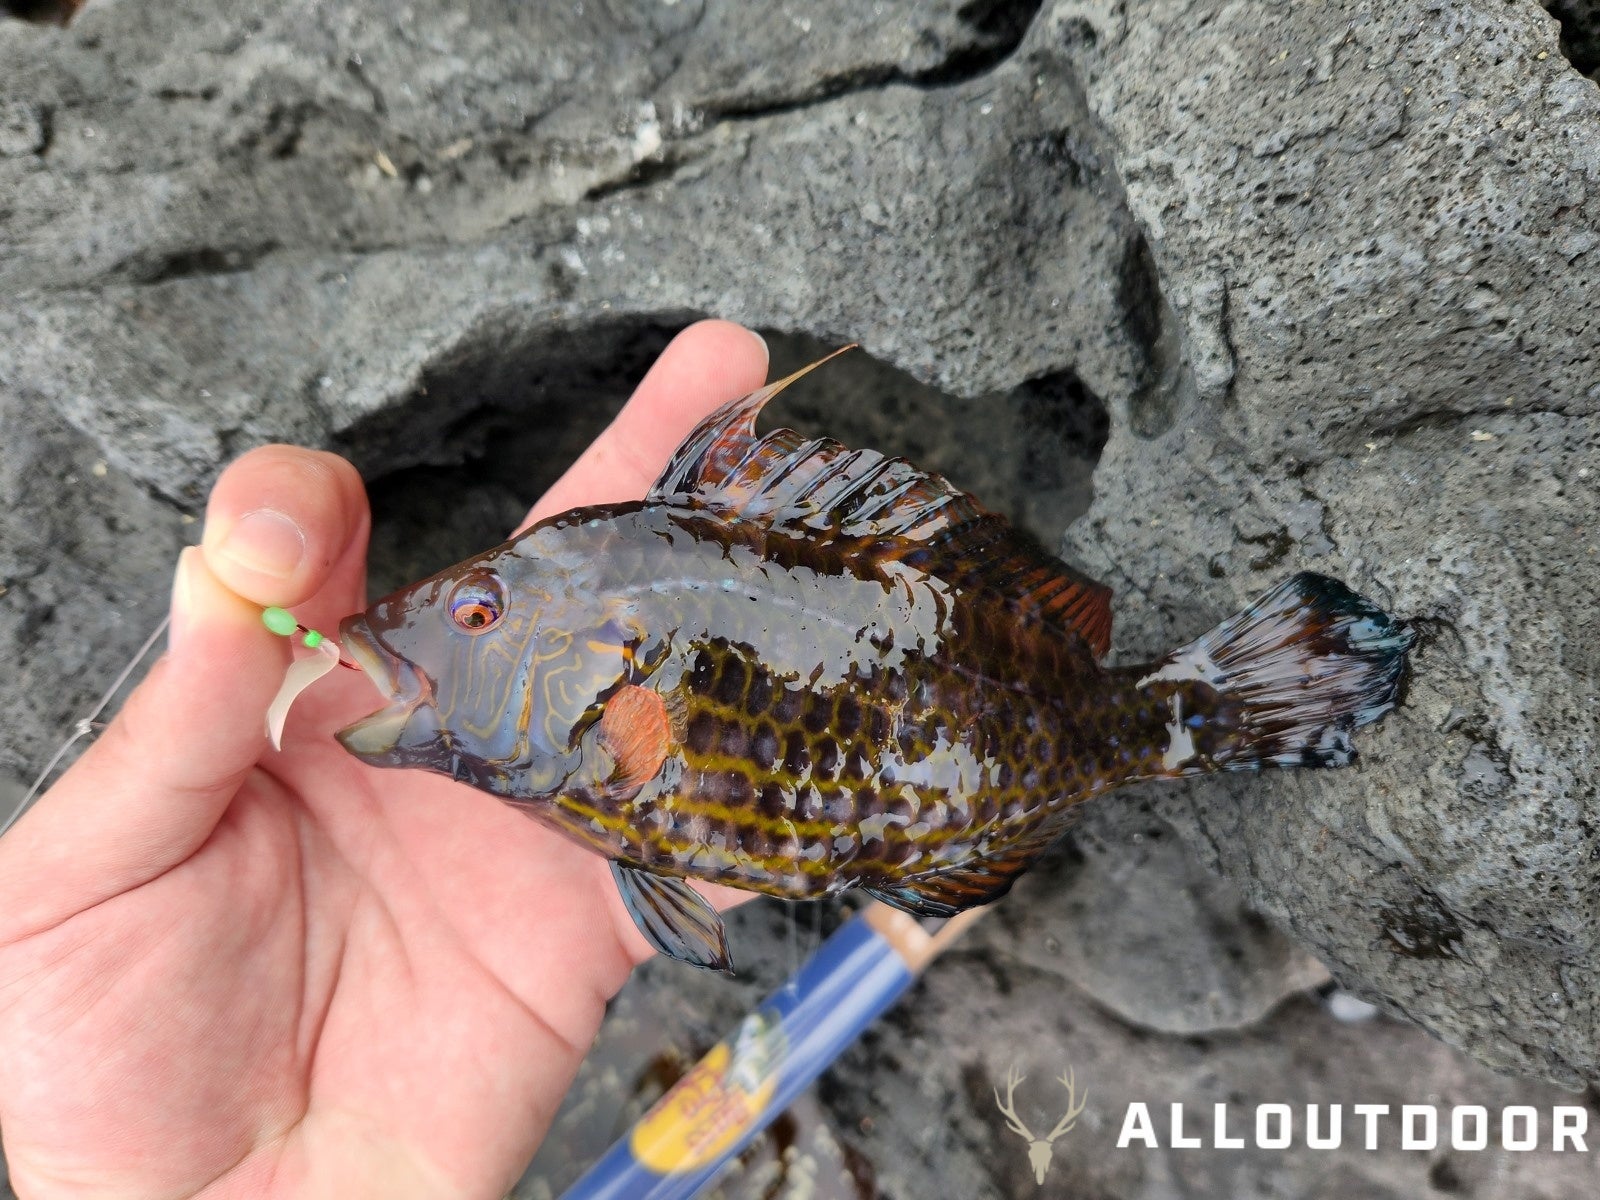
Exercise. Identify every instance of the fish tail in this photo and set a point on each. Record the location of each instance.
(1295, 673)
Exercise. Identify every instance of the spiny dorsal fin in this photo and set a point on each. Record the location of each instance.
(821, 488)
(714, 446)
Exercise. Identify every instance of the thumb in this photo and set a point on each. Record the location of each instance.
(151, 790)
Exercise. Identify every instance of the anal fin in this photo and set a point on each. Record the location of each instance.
(674, 918)
(978, 881)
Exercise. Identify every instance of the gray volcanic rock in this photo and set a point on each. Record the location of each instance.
(1130, 918)
(1379, 238)
(1327, 269)
(223, 227)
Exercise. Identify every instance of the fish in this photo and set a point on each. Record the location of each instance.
(799, 669)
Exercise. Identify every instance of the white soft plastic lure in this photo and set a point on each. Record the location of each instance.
(302, 673)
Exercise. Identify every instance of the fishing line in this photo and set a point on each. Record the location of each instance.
(278, 620)
(87, 726)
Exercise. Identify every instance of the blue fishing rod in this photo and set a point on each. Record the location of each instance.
(747, 1080)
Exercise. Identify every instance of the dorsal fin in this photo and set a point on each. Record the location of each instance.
(823, 489)
(704, 458)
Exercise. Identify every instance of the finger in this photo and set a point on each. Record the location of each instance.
(285, 524)
(152, 789)
(705, 366)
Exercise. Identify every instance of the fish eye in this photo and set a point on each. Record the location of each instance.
(478, 602)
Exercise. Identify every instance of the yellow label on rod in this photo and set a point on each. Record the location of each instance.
(720, 1098)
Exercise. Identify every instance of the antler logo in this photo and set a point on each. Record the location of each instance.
(1039, 1148)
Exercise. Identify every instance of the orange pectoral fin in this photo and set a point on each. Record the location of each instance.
(636, 731)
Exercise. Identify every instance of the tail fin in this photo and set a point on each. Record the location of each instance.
(1300, 668)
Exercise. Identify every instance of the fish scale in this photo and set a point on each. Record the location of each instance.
(799, 669)
(904, 743)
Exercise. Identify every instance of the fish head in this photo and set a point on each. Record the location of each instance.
(439, 651)
(493, 669)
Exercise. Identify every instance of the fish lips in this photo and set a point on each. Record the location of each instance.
(381, 739)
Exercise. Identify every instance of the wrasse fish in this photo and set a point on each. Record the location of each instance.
(796, 668)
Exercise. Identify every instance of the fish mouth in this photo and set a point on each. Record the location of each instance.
(375, 738)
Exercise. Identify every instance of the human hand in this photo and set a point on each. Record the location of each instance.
(236, 972)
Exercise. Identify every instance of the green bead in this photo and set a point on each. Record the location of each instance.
(313, 639)
(280, 620)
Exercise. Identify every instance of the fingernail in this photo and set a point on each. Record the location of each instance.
(266, 542)
(766, 355)
(182, 607)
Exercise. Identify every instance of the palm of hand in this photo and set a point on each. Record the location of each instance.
(239, 973)
(345, 951)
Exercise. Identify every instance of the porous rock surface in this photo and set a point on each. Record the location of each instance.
(1379, 241)
(1325, 271)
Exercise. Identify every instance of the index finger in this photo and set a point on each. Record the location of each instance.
(705, 366)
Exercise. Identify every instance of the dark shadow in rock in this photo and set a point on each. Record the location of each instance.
(495, 421)
(1152, 328)
(160, 266)
(43, 12)
(1580, 33)
(1000, 26)
(454, 467)
(997, 28)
